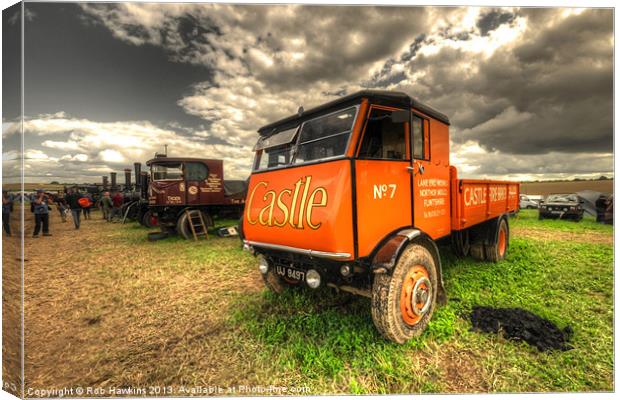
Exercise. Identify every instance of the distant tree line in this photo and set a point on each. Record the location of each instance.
(600, 178)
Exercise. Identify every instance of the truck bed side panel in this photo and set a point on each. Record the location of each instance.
(476, 201)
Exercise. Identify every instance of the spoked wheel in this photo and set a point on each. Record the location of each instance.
(403, 302)
(497, 251)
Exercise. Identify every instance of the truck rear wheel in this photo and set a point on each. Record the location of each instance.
(477, 251)
(403, 301)
(185, 230)
(497, 251)
(148, 219)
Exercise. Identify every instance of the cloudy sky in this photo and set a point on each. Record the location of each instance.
(528, 91)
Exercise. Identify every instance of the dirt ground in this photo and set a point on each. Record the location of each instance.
(96, 315)
(547, 188)
(11, 307)
(579, 237)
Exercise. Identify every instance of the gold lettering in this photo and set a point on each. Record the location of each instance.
(282, 208)
(249, 205)
(312, 203)
(294, 202)
(268, 207)
(302, 205)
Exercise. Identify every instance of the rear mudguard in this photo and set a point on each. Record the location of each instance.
(387, 254)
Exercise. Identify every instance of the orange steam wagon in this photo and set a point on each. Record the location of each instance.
(354, 194)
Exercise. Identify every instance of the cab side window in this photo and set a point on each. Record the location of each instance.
(384, 139)
(196, 171)
(417, 133)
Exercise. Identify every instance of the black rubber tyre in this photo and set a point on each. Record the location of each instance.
(277, 284)
(476, 250)
(240, 229)
(273, 282)
(147, 220)
(183, 228)
(498, 250)
(387, 295)
(460, 242)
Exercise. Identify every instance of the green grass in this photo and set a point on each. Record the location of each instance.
(316, 339)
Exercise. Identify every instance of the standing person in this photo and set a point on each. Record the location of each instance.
(41, 214)
(117, 204)
(74, 204)
(7, 207)
(87, 209)
(609, 211)
(62, 207)
(106, 206)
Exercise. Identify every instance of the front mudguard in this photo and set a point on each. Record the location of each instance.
(386, 256)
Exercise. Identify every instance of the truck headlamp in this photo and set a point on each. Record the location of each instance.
(313, 279)
(263, 264)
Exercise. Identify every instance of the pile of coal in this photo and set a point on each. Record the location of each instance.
(518, 324)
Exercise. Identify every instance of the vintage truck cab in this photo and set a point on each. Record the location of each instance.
(180, 184)
(354, 193)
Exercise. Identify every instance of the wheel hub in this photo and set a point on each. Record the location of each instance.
(416, 295)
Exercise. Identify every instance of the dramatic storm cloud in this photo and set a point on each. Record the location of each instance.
(528, 91)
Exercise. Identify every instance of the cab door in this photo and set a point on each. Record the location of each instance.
(196, 174)
(430, 176)
(383, 179)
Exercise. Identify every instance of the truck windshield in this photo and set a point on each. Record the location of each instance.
(167, 172)
(320, 138)
(275, 150)
(562, 198)
(325, 137)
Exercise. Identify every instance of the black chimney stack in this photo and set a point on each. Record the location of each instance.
(127, 178)
(144, 185)
(113, 180)
(137, 167)
(105, 182)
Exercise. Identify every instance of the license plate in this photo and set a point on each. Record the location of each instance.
(290, 273)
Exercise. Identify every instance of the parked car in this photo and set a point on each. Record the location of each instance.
(526, 202)
(562, 206)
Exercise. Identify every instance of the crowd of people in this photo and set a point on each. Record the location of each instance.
(73, 203)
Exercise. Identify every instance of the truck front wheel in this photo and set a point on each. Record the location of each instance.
(183, 225)
(149, 220)
(403, 301)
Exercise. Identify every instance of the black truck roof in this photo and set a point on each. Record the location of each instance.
(386, 97)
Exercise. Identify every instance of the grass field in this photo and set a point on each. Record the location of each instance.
(106, 308)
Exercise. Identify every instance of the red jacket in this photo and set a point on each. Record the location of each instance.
(117, 200)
